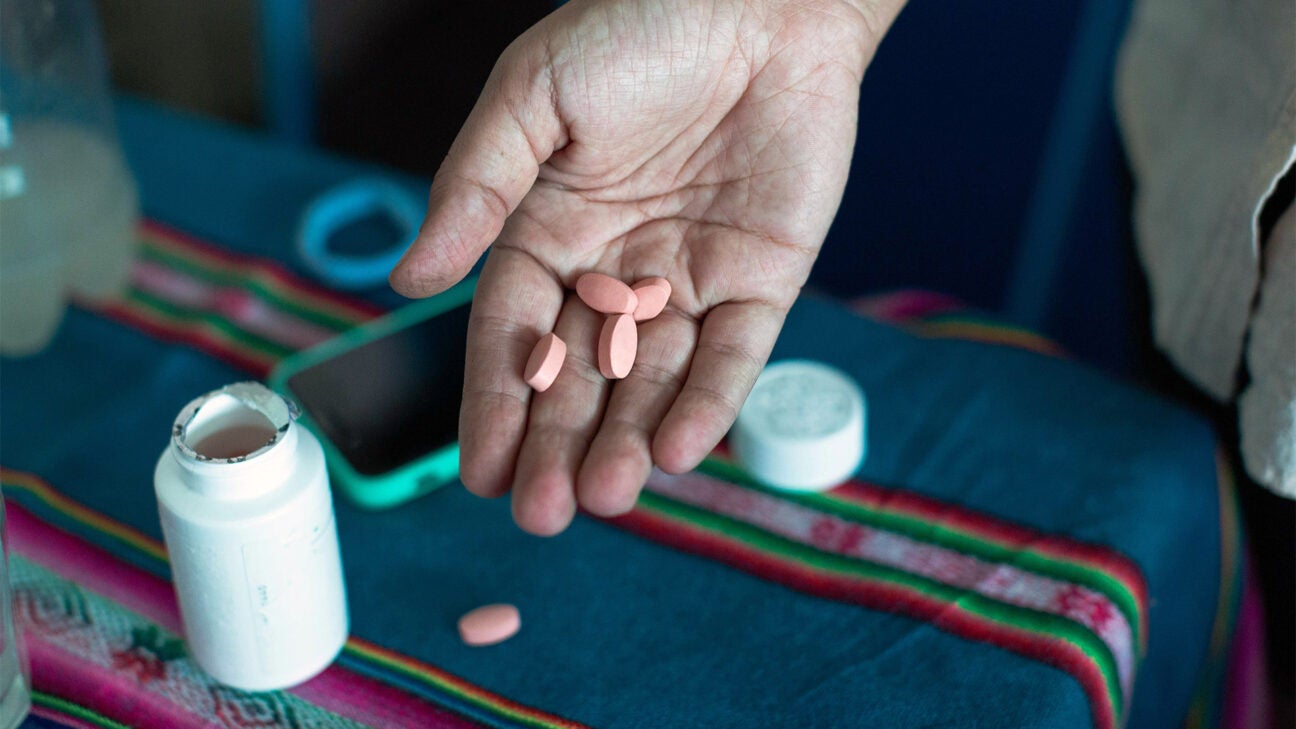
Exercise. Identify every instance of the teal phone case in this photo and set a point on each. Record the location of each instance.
(424, 474)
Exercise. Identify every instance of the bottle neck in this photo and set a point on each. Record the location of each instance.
(230, 480)
(238, 442)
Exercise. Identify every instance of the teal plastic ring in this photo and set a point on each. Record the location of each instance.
(344, 204)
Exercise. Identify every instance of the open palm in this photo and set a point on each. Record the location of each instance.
(704, 141)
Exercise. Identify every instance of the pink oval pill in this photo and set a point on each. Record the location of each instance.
(605, 294)
(489, 624)
(545, 362)
(618, 344)
(652, 295)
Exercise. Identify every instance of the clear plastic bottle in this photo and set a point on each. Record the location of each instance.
(31, 260)
(68, 204)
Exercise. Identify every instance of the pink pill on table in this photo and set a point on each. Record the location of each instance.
(545, 362)
(652, 295)
(489, 624)
(618, 344)
(605, 294)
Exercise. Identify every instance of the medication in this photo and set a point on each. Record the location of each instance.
(652, 295)
(489, 624)
(545, 362)
(802, 427)
(244, 500)
(604, 294)
(618, 344)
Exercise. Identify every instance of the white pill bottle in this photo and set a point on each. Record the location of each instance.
(247, 515)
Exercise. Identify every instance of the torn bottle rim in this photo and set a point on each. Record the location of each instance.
(249, 406)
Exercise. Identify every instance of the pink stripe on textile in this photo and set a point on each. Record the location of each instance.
(999, 581)
(235, 304)
(1246, 686)
(61, 719)
(906, 305)
(58, 717)
(91, 567)
(337, 690)
(54, 671)
(253, 267)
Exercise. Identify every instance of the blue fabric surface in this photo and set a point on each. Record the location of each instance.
(623, 632)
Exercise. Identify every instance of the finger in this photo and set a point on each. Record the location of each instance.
(620, 458)
(733, 346)
(515, 303)
(491, 165)
(562, 422)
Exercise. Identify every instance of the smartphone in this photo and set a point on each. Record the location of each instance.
(383, 399)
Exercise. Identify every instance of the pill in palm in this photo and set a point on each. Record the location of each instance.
(605, 294)
(545, 362)
(651, 295)
(618, 344)
(489, 624)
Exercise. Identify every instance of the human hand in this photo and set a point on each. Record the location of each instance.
(706, 141)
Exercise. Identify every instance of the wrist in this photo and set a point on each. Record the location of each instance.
(873, 19)
(877, 14)
(842, 28)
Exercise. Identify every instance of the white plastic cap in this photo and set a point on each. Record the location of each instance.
(802, 427)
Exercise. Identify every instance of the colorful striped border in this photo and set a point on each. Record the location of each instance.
(980, 536)
(147, 595)
(930, 313)
(939, 316)
(1045, 597)
(1095, 567)
(68, 714)
(393, 663)
(247, 311)
(261, 275)
(981, 329)
(1205, 710)
(127, 536)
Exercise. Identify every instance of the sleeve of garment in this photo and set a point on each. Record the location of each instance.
(1267, 407)
(1206, 100)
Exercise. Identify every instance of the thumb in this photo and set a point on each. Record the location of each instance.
(492, 164)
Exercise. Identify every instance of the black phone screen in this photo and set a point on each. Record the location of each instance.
(391, 400)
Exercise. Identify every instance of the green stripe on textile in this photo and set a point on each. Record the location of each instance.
(61, 512)
(228, 330)
(265, 287)
(64, 706)
(456, 687)
(960, 541)
(1040, 623)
